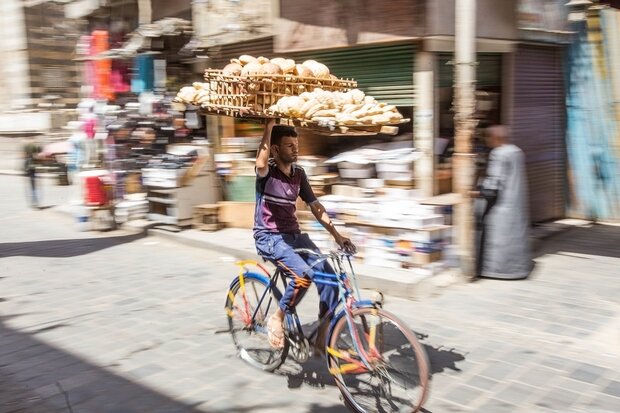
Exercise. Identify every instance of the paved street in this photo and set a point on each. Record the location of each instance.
(116, 322)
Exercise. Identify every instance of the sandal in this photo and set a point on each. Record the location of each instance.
(275, 334)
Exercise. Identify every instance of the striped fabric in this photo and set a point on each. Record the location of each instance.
(276, 195)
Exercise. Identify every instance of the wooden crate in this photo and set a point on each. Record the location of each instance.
(206, 217)
(101, 218)
(253, 95)
(237, 214)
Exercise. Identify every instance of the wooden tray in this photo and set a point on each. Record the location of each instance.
(347, 130)
(233, 95)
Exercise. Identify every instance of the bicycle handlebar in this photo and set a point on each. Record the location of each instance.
(332, 253)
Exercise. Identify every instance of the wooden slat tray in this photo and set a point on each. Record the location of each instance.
(348, 130)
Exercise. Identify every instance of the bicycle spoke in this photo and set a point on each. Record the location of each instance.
(261, 314)
(390, 380)
(249, 303)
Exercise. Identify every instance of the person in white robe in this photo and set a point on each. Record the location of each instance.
(503, 238)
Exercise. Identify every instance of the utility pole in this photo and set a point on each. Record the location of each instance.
(145, 12)
(464, 105)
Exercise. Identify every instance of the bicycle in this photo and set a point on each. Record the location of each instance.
(367, 349)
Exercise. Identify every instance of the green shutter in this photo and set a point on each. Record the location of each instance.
(488, 71)
(385, 72)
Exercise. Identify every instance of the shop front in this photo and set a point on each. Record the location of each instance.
(365, 179)
(538, 119)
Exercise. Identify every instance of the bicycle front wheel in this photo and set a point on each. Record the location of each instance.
(249, 305)
(378, 363)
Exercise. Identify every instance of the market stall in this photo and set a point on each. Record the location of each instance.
(351, 147)
(179, 180)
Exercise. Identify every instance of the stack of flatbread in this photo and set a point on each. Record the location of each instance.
(336, 108)
(196, 94)
(247, 65)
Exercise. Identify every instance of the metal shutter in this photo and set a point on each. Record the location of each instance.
(488, 70)
(538, 127)
(219, 56)
(385, 72)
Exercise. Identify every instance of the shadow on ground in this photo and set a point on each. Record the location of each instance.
(314, 372)
(38, 378)
(313, 408)
(64, 248)
(597, 239)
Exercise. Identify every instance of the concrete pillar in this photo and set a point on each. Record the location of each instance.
(14, 71)
(145, 12)
(465, 123)
(424, 121)
(199, 18)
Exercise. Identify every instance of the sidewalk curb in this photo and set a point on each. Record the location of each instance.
(11, 172)
(21, 134)
(139, 226)
(394, 282)
(212, 246)
(547, 231)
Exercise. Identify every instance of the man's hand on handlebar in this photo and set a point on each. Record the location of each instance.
(346, 245)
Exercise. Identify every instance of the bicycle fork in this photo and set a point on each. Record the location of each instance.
(357, 359)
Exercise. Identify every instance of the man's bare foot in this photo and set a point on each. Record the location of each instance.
(275, 332)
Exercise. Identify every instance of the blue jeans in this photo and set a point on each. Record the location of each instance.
(278, 248)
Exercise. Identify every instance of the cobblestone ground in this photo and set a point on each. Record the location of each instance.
(114, 322)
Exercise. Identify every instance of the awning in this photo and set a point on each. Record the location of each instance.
(139, 40)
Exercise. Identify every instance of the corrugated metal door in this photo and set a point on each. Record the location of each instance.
(384, 71)
(219, 56)
(538, 127)
(488, 70)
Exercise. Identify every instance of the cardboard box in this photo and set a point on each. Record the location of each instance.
(236, 214)
(422, 258)
(206, 217)
(430, 234)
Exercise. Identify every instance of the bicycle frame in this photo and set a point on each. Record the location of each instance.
(359, 345)
(349, 299)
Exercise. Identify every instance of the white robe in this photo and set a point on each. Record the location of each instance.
(506, 247)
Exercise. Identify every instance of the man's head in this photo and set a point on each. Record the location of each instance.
(496, 135)
(284, 144)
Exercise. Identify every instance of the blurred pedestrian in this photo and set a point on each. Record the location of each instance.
(503, 215)
(76, 157)
(89, 125)
(181, 132)
(31, 154)
(146, 139)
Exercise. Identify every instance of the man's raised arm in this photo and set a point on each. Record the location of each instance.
(262, 156)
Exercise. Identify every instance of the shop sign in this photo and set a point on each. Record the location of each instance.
(53, 78)
(543, 20)
(222, 22)
(81, 8)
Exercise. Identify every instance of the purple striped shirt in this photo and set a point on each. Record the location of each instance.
(276, 195)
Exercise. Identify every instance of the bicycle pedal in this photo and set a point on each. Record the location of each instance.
(227, 330)
(378, 298)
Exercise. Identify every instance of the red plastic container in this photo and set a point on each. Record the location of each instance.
(94, 191)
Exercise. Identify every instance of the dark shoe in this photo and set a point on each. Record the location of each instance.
(319, 343)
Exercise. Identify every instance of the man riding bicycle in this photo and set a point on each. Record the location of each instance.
(279, 181)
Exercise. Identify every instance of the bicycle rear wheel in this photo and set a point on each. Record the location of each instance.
(249, 305)
(395, 377)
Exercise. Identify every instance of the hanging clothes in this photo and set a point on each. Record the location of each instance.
(102, 67)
